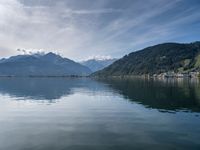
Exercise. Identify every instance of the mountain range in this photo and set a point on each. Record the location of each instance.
(49, 64)
(98, 64)
(161, 58)
(158, 59)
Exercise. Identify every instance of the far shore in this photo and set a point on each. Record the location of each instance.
(70, 76)
(105, 77)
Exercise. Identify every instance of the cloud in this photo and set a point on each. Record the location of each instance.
(98, 11)
(99, 57)
(80, 29)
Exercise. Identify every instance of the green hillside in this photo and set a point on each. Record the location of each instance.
(156, 59)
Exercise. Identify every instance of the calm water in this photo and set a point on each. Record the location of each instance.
(84, 114)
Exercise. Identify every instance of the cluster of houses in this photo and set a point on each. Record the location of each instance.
(177, 75)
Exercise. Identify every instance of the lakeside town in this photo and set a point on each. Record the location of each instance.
(172, 74)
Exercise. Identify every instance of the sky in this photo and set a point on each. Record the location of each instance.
(81, 29)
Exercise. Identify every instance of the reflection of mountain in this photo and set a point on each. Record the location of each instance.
(153, 94)
(35, 88)
(45, 88)
(158, 94)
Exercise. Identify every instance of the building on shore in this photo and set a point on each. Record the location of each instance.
(177, 75)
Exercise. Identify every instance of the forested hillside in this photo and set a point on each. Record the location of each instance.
(157, 59)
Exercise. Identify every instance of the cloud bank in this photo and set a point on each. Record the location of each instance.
(79, 29)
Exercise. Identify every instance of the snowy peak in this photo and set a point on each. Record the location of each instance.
(49, 64)
(96, 64)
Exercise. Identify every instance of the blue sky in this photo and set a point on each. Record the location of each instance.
(80, 29)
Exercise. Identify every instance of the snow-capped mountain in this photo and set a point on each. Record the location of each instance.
(97, 64)
(49, 64)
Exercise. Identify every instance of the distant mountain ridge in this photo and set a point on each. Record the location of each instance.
(156, 59)
(98, 64)
(49, 64)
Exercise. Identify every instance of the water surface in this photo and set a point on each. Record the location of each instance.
(112, 114)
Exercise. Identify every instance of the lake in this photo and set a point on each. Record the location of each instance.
(106, 114)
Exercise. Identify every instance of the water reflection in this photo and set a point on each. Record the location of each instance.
(45, 88)
(105, 114)
(165, 95)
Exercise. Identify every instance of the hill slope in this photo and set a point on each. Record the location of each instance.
(41, 65)
(96, 64)
(157, 59)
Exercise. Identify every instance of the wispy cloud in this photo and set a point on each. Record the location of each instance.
(98, 11)
(99, 57)
(79, 29)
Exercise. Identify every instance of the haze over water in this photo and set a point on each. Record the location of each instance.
(77, 114)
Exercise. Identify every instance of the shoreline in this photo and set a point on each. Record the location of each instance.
(72, 76)
(103, 77)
